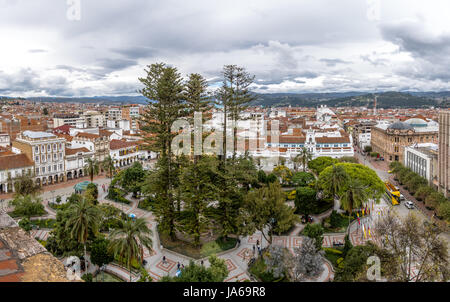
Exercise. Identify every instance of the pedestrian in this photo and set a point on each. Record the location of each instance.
(164, 259)
(254, 249)
(201, 262)
(178, 265)
(182, 266)
(257, 242)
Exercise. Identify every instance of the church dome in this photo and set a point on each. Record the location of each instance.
(416, 122)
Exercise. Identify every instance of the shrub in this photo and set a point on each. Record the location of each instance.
(87, 277)
(423, 192)
(444, 210)
(335, 219)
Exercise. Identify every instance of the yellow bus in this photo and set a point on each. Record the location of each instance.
(392, 193)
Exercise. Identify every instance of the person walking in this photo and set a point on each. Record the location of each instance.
(201, 262)
(254, 248)
(164, 260)
(178, 265)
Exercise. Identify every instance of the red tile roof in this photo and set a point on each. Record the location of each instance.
(15, 161)
(75, 151)
(117, 144)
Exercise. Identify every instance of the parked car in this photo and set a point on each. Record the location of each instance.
(402, 197)
(409, 204)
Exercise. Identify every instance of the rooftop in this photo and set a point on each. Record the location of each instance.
(23, 259)
(36, 134)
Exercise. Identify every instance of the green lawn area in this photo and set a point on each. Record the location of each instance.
(333, 254)
(15, 215)
(44, 223)
(340, 226)
(188, 249)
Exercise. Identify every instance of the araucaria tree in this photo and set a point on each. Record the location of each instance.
(233, 97)
(163, 87)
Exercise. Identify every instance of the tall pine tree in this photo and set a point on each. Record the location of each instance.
(163, 87)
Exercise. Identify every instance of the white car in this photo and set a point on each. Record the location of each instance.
(409, 204)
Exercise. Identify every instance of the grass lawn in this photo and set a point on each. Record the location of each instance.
(333, 254)
(341, 226)
(44, 223)
(188, 249)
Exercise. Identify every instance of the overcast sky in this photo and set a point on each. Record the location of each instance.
(290, 46)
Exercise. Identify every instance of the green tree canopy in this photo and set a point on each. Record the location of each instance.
(319, 164)
(305, 200)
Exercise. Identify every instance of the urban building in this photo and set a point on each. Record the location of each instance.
(124, 153)
(423, 160)
(11, 167)
(444, 152)
(97, 143)
(73, 120)
(76, 161)
(47, 151)
(390, 140)
(5, 140)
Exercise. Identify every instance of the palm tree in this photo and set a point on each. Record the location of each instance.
(303, 157)
(92, 168)
(84, 218)
(128, 241)
(354, 196)
(338, 180)
(108, 165)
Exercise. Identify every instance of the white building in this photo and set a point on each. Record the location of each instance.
(48, 153)
(69, 119)
(76, 161)
(422, 159)
(12, 166)
(124, 153)
(5, 140)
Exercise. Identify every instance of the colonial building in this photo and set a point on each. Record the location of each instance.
(11, 167)
(47, 151)
(97, 143)
(124, 153)
(444, 152)
(390, 140)
(76, 161)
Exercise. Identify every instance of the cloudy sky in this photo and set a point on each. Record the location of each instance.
(290, 46)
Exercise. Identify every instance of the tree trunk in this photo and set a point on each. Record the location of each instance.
(86, 262)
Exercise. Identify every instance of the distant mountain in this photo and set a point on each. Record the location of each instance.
(389, 99)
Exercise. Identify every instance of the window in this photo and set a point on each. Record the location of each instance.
(49, 157)
(49, 168)
(60, 167)
(43, 170)
(49, 148)
(60, 146)
(36, 159)
(37, 171)
(36, 149)
(55, 147)
(60, 156)
(43, 158)
(42, 149)
(55, 168)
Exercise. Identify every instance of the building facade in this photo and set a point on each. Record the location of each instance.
(76, 161)
(47, 151)
(422, 159)
(444, 152)
(11, 167)
(390, 140)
